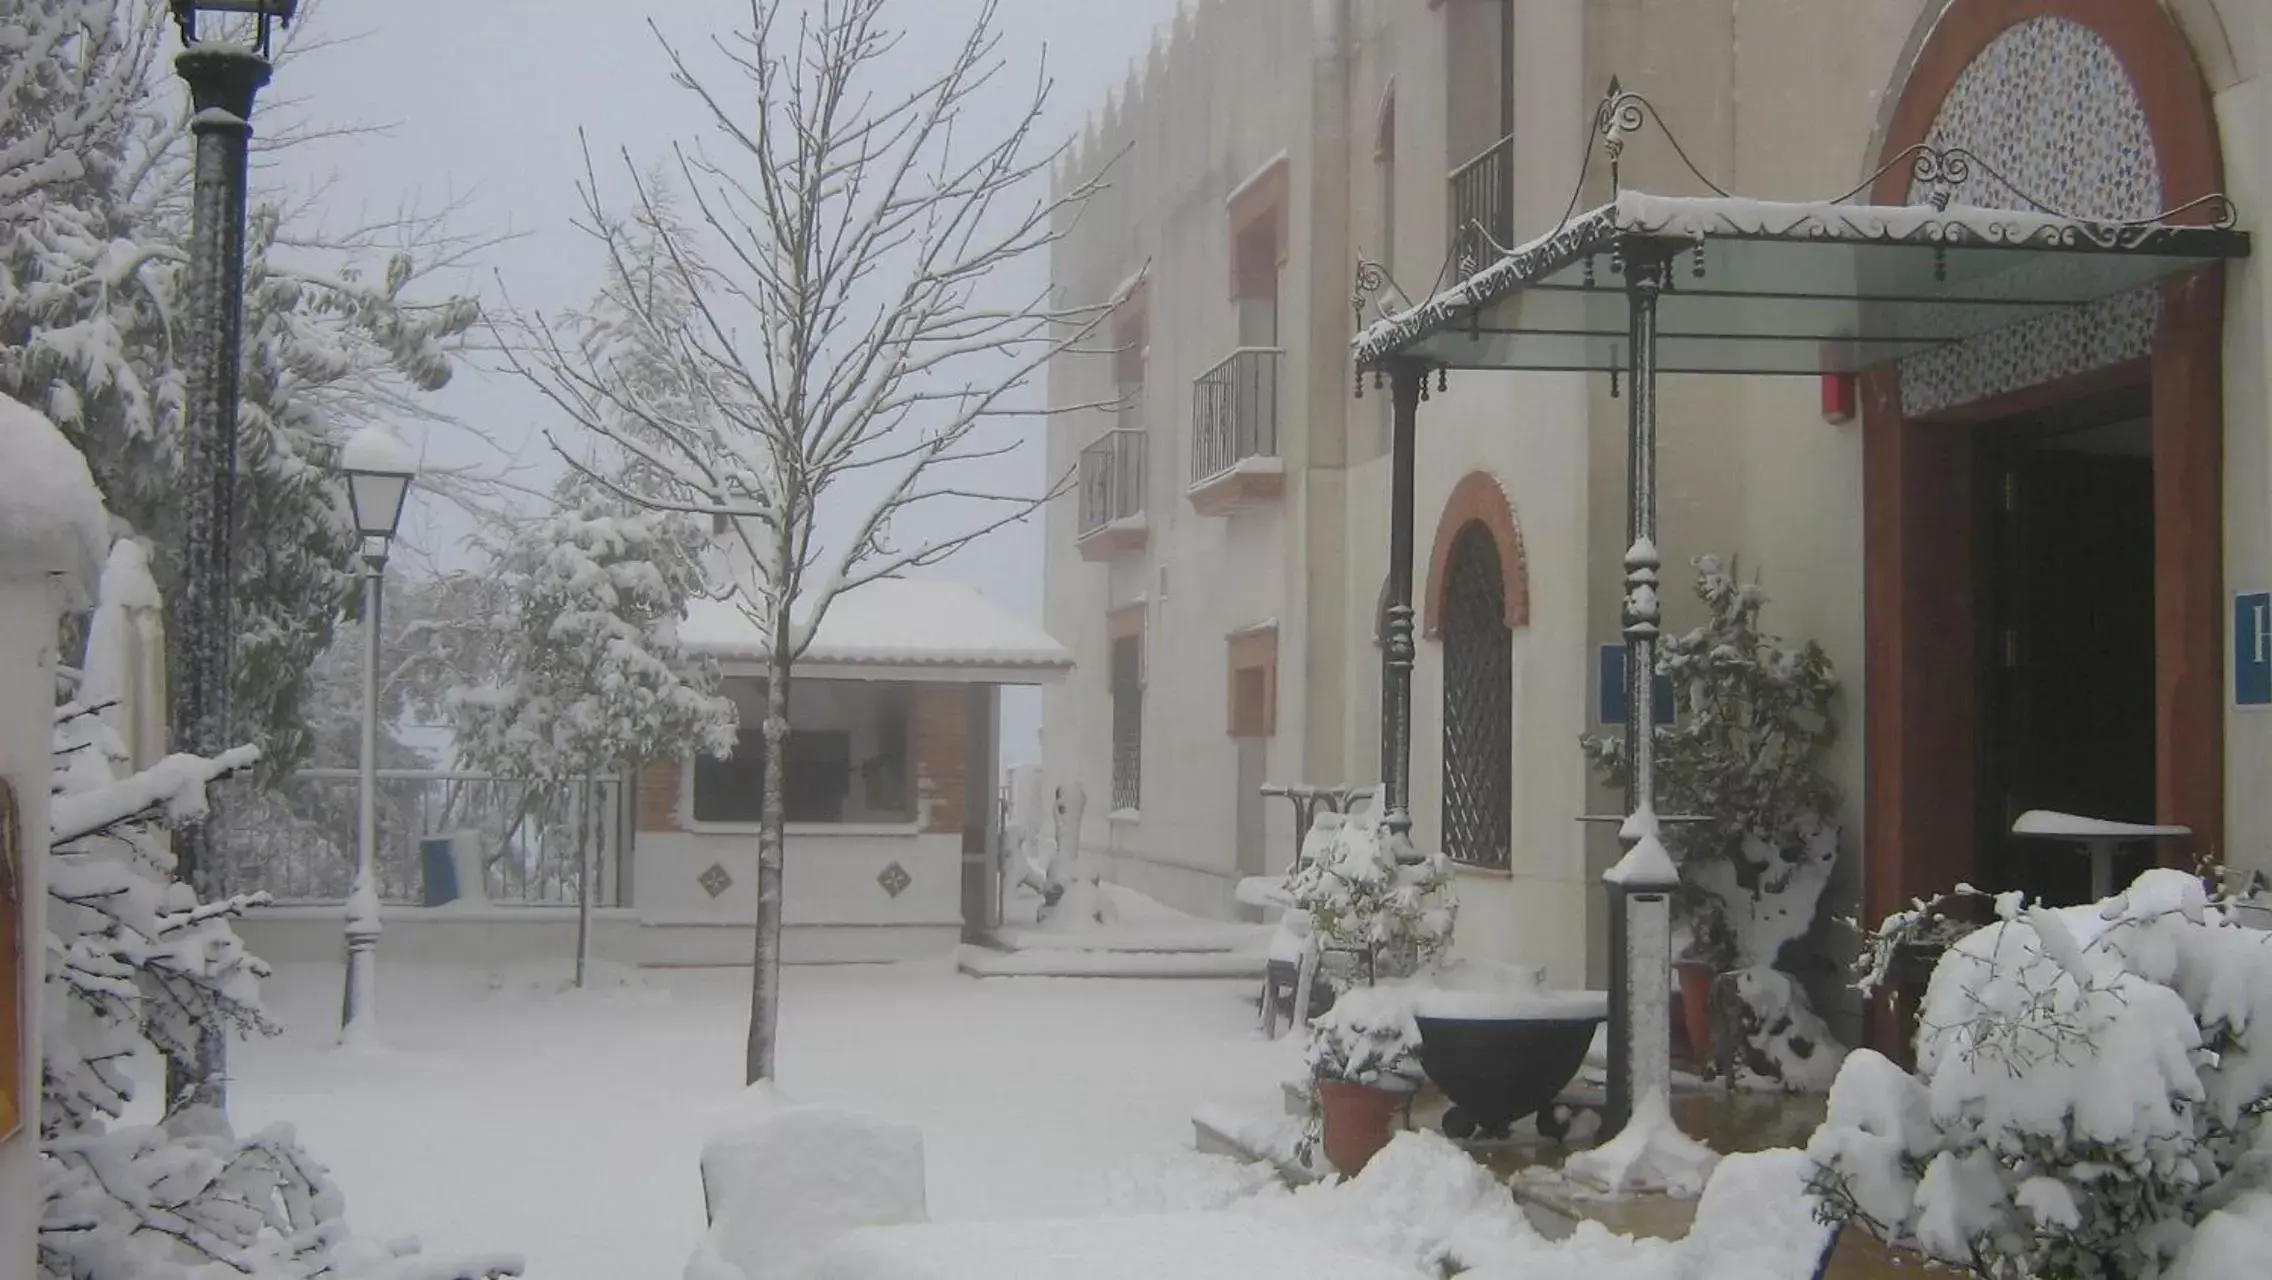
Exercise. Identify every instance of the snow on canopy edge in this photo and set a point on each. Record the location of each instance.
(52, 519)
(1702, 217)
(889, 622)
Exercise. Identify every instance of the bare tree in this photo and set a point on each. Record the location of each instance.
(816, 354)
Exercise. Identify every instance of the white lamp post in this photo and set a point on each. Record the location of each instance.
(379, 471)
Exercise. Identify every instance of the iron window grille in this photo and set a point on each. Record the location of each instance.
(1478, 705)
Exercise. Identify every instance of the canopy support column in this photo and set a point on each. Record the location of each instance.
(1640, 1047)
(1408, 382)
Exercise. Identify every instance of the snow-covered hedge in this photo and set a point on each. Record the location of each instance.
(2090, 1094)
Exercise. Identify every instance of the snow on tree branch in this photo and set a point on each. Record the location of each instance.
(133, 963)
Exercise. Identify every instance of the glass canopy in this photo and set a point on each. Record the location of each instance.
(1765, 288)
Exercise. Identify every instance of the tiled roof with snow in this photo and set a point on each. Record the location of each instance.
(901, 622)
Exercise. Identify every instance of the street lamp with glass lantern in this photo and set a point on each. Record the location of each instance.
(378, 470)
(223, 77)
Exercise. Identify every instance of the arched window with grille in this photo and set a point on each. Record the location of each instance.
(1478, 826)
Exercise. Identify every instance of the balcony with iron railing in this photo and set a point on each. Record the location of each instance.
(1483, 205)
(1234, 433)
(1111, 479)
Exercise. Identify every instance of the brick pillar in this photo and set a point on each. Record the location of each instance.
(656, 797)
(942, 756)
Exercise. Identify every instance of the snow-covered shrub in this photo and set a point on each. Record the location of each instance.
(1369, 892)
(1746, 752)
(135, 962)
(1782, 1039)
(1368, 1037)
(2091, 1085)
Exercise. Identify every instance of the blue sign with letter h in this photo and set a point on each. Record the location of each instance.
(2252, 649)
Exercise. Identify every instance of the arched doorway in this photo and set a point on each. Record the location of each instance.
(1478, 825)
(1991, 467)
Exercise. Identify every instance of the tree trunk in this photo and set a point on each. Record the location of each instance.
(772, 836)
(584, 880)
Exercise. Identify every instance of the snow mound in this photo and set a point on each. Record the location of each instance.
(786, 1181)
(1649, 1154)
(1421, 1201)
(2233, 1241)
(1180, 1180)
(1755, 1221)
(1190, 1246)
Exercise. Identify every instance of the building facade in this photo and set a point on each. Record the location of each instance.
(2030, 555)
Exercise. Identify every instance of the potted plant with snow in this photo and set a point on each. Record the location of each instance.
(1370, 893)
(1364, 1065)
(1747, 754)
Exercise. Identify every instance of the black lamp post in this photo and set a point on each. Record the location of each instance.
(223, 79)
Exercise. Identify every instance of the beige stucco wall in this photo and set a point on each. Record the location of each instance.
(1774, 98)
(1228, 92)
(2241, 104)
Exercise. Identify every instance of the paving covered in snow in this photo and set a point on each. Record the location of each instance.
(568, 1126)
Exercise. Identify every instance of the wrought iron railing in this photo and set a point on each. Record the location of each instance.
(1483, 199)
(1112, 479)
(297, 841)
(1234, 412)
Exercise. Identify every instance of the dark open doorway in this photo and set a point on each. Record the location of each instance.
(2067, 637)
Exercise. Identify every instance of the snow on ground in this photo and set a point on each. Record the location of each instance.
(567, 1125)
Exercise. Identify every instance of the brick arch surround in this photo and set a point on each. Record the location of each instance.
(1919, 501)
(1478, 498)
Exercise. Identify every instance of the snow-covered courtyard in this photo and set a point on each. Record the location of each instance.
(506, 1113)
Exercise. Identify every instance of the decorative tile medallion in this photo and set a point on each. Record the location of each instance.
(894, 879)
(715, 880)
(2047, 107)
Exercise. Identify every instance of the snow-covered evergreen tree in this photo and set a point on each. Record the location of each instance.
(594, 681)
(134, 962)
(93, 268)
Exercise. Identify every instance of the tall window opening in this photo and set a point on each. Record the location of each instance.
(1478, 717)
(1127, 721)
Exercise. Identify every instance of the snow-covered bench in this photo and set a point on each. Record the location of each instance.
(783, 1181)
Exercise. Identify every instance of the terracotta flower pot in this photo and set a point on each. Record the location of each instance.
(1696, 978)
(1358, 1122)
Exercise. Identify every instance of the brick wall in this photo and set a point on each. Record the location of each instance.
(942, 755)
(657, 796)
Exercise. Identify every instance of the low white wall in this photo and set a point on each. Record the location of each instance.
(498, 936)
(705, 946)
(441, 935)
(830, 876)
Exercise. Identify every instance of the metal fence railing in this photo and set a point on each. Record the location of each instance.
(1234, 412)
(297, 841)
(1112, 479)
